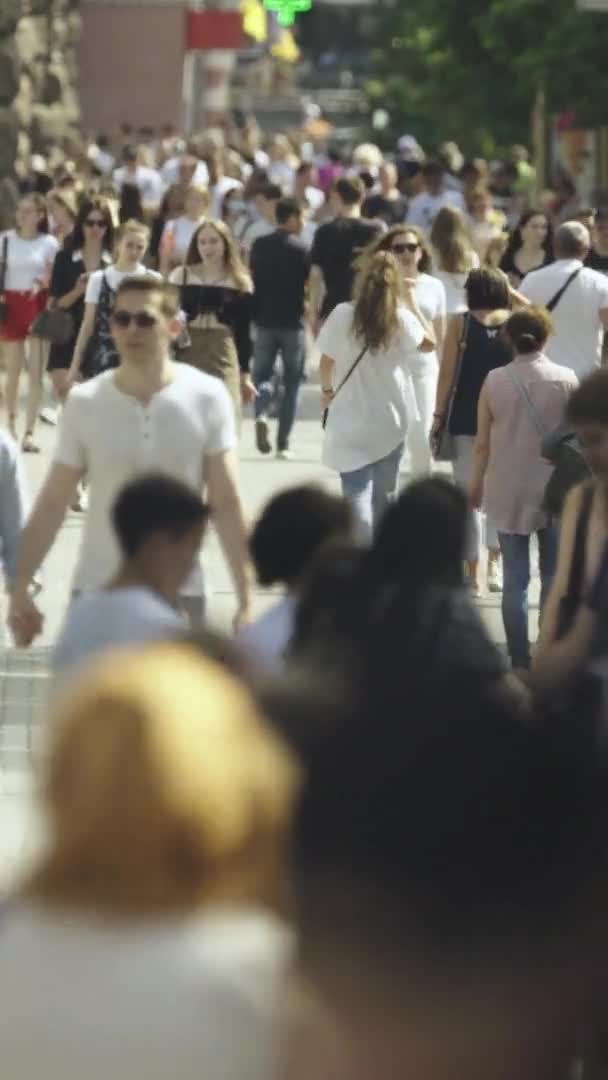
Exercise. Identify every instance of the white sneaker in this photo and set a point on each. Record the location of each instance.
(494, 577)
(284, 455)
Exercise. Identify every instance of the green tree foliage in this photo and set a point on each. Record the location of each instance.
(471, 69)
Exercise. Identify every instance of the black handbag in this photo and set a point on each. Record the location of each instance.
(54, 325)
(3, 269)
(444, 444)
(561, 448)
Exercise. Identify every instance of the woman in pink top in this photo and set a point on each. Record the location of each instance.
(519, 404)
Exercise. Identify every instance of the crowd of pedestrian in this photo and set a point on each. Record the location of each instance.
(355, 838)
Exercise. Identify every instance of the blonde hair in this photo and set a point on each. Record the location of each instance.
(131, 226)
(451, 240)
(377, 294)
(165, 790)
(495, 251)
(233, 263)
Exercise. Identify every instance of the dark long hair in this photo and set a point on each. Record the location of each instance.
(131, 207)
(387, 239)
(516, 239)
(89, 204)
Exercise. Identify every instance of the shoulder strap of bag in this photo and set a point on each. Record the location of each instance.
(532, 412)
(577, 565)
(184, 275)
(350, 371)
(4, 266)
(554, 301)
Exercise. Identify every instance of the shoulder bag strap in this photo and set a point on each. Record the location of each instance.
(184, 275)
(457, 368)
(523, 393)
(350, 371)
(554, 301)
(4, 266)
(577, 565)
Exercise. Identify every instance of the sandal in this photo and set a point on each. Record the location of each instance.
(28, 445)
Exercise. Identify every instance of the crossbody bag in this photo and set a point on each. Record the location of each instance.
(444, 448)
(554, 301)
(343, 383)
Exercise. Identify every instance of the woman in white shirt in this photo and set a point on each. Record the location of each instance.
(29, 253)
(178, 233)
(453, 257)
(149, 940)
(95, 350)
(368, 350)
(409, 246)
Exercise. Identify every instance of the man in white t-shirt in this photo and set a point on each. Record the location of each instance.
(580, 313)
(148, 414)
(423, 208)
(159, 524)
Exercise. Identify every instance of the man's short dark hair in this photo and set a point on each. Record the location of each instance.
(287, 209)
(292, 528)
(145, 284)
(271, 192)
(350, 189)
(588, 404)
(153, 504)
(487, 290)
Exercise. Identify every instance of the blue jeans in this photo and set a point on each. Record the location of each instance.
(515, 550)
(371, 488)
(291, 344)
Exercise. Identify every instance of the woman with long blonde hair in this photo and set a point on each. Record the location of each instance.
(150, 939)
(216, 295)
(453, 256)
(368, 347)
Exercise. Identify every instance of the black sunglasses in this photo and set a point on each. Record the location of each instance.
(142, 319)
(94, 222)
(400, 249)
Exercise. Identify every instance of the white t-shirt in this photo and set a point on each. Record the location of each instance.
(147, 180)
(430, 295)
(114, 278)
(264, 641)
(454, 283)
(423, 208)
(170, 173)
(191, 998)
(114, 438)
(577, 341)
(176, 237)
(29, 262)
(369, 415)
(98, 621)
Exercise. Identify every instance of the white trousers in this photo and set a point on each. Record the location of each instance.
(463, 474)
(425, 373)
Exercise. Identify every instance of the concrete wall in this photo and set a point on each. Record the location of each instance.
(131, 59)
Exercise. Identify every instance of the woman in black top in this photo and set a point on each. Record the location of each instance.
(216, 296)
(474, 346)
(529, 248)
(88, 249)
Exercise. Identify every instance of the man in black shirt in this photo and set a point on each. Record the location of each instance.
(336, 245)
(279, 267)
(597, 258)
(387, 204)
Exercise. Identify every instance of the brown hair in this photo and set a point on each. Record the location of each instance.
(386, 240)
(232, 260)
(166, 791)
(40, 204)
(378, 292)
(149, 285)
(451, 240)
(101, 205)
(529, 329)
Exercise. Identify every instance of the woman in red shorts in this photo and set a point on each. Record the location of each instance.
(30, 252)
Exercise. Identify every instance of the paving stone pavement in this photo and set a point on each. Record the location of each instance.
(24, 680)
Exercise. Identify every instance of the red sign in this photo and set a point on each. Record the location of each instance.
(214, 30)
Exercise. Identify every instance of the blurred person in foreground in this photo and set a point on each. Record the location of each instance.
(149, 940)
(451, 901)
(148, 414)
(291, 530)
(159, 524)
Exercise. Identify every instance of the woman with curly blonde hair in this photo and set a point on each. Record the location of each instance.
(158, 908)
(216, 295)
(368, 347)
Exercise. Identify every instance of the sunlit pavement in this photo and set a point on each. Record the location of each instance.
(23, 673)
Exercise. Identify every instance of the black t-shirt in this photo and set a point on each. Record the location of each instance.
(279, 266)
(335, 246)
(390, 211)
(597, 262)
